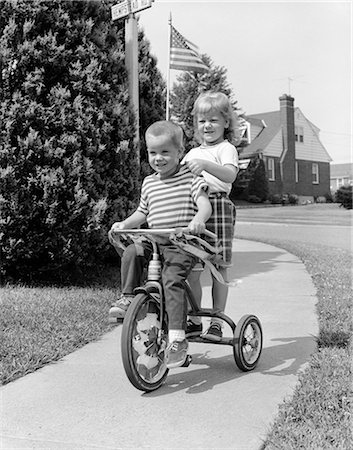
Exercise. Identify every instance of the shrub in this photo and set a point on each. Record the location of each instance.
(254, 199)
(66, 142)
(329, 197)
(293, 199)
(344, 196)
(275, 199)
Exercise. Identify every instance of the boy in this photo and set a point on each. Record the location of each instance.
(171, 197)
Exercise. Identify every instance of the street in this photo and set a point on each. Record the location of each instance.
(319, 224)
(333, 236)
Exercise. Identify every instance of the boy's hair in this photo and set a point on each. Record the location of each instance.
(219, 102)
(167, 128)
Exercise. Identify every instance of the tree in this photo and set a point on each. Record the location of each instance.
(189, 85)
(258, 184)
(67, 158)
(251, 184)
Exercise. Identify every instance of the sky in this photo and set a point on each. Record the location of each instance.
(262, 45)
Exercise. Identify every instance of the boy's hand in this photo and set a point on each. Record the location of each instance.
(196, 227)
(196, 166)
(118, 226)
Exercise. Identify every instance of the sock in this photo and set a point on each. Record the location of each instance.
(216, 320)
(176, 335)
(195, 320)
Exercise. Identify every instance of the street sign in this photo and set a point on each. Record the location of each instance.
(139, 5)
(120, 10)
(125, 7)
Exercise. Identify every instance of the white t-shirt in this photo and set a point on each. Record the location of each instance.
(222, 154)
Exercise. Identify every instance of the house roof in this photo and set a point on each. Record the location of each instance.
(268, 126)
(271, 124)
(341, 170)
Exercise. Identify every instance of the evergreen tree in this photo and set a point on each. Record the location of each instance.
(188, 87)
(67, 161)
(257, 189)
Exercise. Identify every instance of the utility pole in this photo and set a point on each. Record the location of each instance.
(131, 62)
(127, 9)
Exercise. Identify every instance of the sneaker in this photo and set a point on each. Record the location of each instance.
(193, 329)
(176, 353)
(119, 308)
(214, 332)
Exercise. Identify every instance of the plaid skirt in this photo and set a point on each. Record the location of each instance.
(222, 223)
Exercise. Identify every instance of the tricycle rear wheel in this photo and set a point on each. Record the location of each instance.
(247, 344)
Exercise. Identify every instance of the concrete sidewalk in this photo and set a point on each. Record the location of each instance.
(85, 400)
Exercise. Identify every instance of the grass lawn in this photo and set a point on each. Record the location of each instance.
(40, 325)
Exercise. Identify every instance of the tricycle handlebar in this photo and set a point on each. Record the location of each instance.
(159, 231)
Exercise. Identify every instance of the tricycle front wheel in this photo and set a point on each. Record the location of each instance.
(247, 345)
(143, 343)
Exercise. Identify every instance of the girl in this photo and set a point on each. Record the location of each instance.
(216, 126)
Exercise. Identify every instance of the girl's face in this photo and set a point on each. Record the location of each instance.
(163, 155)
(211, 126)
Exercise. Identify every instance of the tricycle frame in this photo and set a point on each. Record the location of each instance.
(145, 326)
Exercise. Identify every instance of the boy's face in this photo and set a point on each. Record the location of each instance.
(163, 155)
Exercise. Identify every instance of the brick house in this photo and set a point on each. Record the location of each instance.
(295, 159)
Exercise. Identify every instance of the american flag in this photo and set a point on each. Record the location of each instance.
(184, 54)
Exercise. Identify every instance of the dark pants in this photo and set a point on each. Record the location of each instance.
(176, 268)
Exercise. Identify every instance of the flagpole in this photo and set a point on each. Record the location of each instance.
(168, 68)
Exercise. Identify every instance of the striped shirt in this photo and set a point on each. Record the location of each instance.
(171, 202)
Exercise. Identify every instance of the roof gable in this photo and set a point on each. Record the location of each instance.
(312, 149)
(270, 123)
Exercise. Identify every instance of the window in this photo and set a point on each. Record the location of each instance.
(299, 134)
(271, 169)
(296, 172)
(244, 129)
(315, 172)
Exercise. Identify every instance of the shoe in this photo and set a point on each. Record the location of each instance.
(214, 332)
(176, 353)
(119, 308)
(193, 329)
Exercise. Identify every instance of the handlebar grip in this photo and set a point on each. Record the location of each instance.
(210, 234)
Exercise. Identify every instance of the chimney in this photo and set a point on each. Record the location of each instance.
(288, 135)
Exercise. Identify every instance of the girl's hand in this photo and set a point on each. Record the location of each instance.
(196, 166)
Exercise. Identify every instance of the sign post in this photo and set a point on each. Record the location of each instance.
(127, 9)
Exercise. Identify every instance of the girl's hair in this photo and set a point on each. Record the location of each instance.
(219, 102)
(169, 129)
